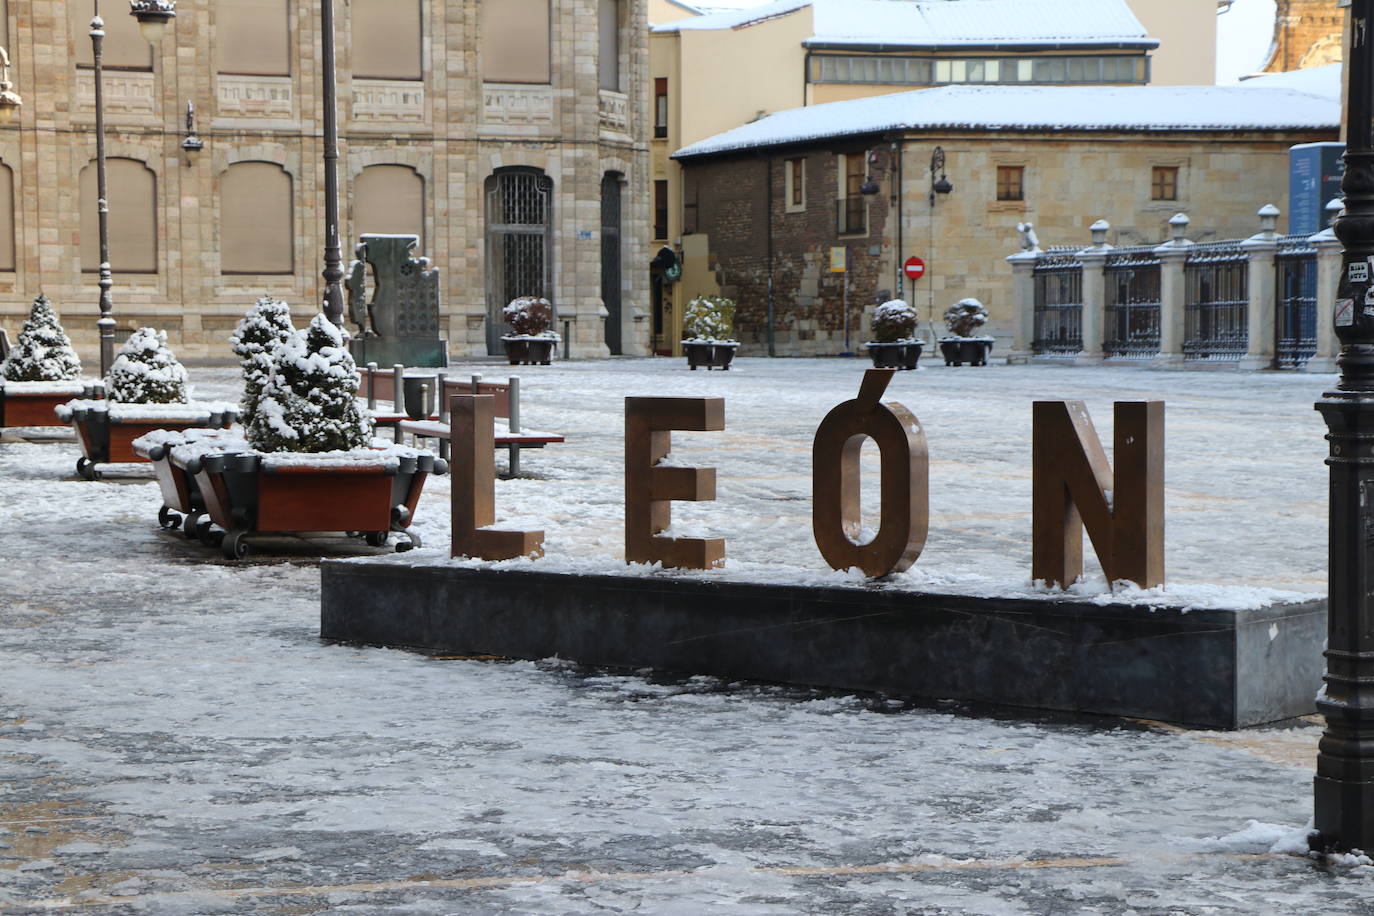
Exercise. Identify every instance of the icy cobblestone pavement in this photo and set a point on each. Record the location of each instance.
(174, 738)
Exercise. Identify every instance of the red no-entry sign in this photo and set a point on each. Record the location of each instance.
(914, 268)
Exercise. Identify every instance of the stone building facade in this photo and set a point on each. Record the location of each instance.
(754, 238)
(510, 135)
(1307, 33)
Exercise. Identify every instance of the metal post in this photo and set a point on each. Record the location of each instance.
(1343, 788)
(845, 301)
(333, 303)
(372, 387)
(514, 424)
(106, 323)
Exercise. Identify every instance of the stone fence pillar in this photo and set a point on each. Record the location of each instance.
(1260, 248)
(1328, 276)
(1023, 304)
(1172, 255)
(1094, 290)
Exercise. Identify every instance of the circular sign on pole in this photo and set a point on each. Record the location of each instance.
(914, 268)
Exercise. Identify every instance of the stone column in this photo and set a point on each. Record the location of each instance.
(1023, 304)
(1260, 248)
(1094, 295)
(1328, 276)
(1172, 255)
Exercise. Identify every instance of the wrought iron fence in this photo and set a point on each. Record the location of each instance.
(1295, 303)
(1058, 304)
(1131, 321)
(1216, 304)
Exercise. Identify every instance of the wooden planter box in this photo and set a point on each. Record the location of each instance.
(180, 494)
(960, 350)
(530, 351)
(107, 439)
(711, 354)
(895, 355)
(244, 494)
(19, 407)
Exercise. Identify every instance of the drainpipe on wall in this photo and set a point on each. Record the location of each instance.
(768, 219)
(899, 256)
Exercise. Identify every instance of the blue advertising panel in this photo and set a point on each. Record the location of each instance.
(1314, 178)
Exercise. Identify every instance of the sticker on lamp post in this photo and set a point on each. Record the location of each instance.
(1359, 272)
(1345, 313)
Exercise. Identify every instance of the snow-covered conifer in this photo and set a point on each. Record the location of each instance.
(266, 326)
(145, 371)
(42, 352)
(307, 401)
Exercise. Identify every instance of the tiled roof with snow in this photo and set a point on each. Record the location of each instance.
(941, 23)
(1012, 108)
(1324, 80)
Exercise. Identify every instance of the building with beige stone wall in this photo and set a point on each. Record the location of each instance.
(1307, 33)
(715, 72)
(509, 135)
(768, 202)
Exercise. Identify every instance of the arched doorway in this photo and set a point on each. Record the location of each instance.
(519, 243)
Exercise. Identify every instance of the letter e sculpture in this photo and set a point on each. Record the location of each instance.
(473, 463)
(649, 489)
(905, 482)
(1073, 486)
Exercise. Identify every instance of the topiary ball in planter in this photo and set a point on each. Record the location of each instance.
(307, 400)
(894, 327)
(145, 371)
(532, 341)
(42, 352)
(963, 318)
(709, 318)
(266, 326)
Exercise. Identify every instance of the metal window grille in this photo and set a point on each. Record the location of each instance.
(1295, 306)
(1131, 308)
(1058, 313)
(1216, 304)
(610, 260)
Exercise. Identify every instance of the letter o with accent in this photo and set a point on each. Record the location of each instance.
(905, 482)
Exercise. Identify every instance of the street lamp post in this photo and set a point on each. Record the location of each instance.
(938, 185)
(333, 256)
(152, 16)
(1343, 789)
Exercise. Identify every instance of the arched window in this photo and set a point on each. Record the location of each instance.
(515, 41)
(7, 258)
(124, 47)
(389, 200)
(132, 187)
(255, 220)
(387, 39)
(251, 37)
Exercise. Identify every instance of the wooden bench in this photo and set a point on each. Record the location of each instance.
(378, 384)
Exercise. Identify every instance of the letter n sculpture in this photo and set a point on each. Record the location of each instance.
(473, 462)
(649, 488)
(1073, 486)
(905, 486)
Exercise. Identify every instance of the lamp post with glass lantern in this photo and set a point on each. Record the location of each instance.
(152, 16)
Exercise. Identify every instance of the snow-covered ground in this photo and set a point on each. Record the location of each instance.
(175, 739)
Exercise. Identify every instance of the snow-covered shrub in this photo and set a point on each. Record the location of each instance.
(965, 317)
(529, 316)
(146, 372)
(42, 353)
(894, 321)
(266, 326)
(306, 403)
(708, 318)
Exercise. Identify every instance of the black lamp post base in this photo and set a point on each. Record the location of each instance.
(1346, 811)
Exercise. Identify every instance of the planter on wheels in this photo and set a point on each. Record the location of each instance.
(368, 494)
(107, 429)
(960, 350)
(182, 503)
(900, 354)
(525, 350)
(712, 354)
(34, 403)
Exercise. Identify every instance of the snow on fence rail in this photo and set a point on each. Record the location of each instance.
(1261, 303)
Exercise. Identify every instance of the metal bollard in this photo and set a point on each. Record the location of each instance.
(372, 387)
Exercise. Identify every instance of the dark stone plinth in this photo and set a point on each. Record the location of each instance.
(408, 351)
(1206, 668)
